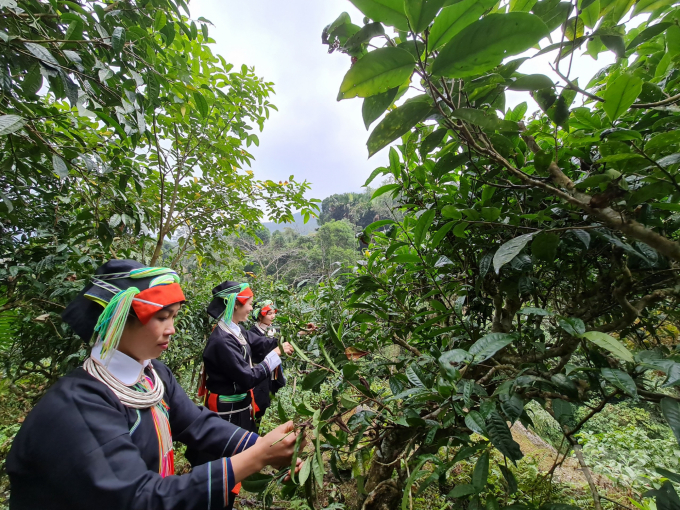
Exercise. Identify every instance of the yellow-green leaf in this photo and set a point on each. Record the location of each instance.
(455, 18)
(398, 122)
(472, 51)
(521, 5)
(610, 344)
(377, 72)
(621, 94)
(389, 12)
(420, 13)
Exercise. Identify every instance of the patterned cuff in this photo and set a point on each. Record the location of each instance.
(248, 440)
(221, 483)
(272, 360)
(222, 486)
(240, 441)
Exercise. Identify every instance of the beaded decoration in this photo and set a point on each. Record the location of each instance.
(161, 421)
(146, 394)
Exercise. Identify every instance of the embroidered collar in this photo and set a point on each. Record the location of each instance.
(234, 330)
(121, 366)
(262, 327)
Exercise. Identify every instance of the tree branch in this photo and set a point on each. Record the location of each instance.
(664, 102)
(405, 345)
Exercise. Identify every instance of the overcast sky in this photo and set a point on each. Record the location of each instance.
(313, 136)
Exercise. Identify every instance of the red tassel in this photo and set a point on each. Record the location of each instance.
(202, 390)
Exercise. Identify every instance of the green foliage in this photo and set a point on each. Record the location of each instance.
(575, 207)
(123, 135)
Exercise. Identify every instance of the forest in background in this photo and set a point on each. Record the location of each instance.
(498, 318)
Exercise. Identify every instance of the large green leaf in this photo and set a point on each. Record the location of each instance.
(447, 163)
(484, 119)
(283, 417)
(647, 34)
(531, 82)
(475, 422)
(257, 483)
(11, 123)
(481, 472)
(590, 14)
(59, 166)
(118, 39)
(377, 224)
(441, 233)
(385, 189)
(544, 246)
(621, 94)
(610, 344)
(455, 18)
(363, 36)
(432, 141)
(201, 104)
(398, 122)
(615, 44)
(422, 226)
(671, 411)
(552, 13)
(521, 5)
(668, 474)
(296, 452)
(650, 5)
(376, 105)
(572, 326)
(621, 380)
(562, 410)
(406, 258)
(510, 250)
(509, 479)
(472, 51)
(413, 377)
(313, 379)
(502, 438)
(377, 72)
(489, 345)
(666, 497)
(420, 13)
(462, 490)
(389, 12)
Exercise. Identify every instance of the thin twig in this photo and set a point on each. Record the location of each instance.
(573, 86)
(616, 502)
(672, 99)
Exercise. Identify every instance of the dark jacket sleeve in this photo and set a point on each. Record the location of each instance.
(223, 357)
(76, 447)
(260, 345)
(198, 427)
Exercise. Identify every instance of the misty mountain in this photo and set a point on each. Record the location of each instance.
(298, 225)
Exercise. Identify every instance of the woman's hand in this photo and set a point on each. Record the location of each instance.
(275, 449)
(310, 328)
(298, 466)
(277, 446)
(288, 349)
(278, 351)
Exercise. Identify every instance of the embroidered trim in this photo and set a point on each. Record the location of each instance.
(209, 466)
(139, 420)
(229, 399)
(225, 473)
